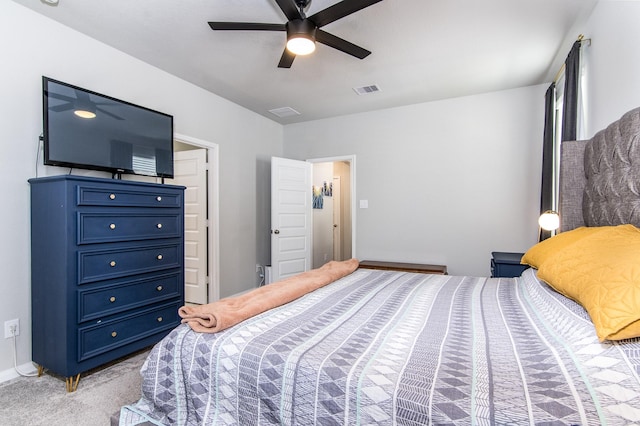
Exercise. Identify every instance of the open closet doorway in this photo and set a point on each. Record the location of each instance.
(334, 209)
(196, 168)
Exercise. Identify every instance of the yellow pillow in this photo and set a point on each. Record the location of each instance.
(601, 271)
(537, 254)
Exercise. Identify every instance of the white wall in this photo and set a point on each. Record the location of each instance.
(447, 182)
(612, 62)
(33, 46)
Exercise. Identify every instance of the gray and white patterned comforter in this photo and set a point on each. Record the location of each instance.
(389, 348)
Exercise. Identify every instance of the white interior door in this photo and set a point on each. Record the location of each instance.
(290, 217)
(190, 170)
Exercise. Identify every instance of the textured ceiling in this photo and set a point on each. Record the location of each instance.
(423, 50)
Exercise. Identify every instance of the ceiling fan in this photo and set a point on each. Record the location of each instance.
(82, 105)
(303, 31)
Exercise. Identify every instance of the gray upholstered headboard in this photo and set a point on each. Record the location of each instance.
(600, 177)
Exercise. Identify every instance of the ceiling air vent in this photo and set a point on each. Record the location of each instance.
(284, 112)
(365, 90)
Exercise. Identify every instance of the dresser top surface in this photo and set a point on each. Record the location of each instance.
(91, 179)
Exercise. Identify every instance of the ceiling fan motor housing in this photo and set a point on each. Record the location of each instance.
(301, 27)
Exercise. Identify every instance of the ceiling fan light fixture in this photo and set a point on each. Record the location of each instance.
(301, 45)
(301, 36)
(84, 113)
(84, 108)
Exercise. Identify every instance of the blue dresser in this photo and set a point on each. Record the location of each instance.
(107, 267)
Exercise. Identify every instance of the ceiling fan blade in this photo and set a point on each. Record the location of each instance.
(289, 9)
(246, 26)
(60, 97)
(287, 59)
(339, 10)
(102, 110)
(61, 107)
(341, 44)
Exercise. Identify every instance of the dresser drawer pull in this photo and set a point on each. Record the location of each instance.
(159, 257)
(159, 226)
(159, 288)
(114, 334)
(112, 299)
(112, 226)
(112, 196)
(112, 263)
(159, 319)
(159, 198)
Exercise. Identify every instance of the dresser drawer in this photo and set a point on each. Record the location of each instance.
(97, 265)
(103, 337)
(128, 197)
(104, 301)
(104, 228)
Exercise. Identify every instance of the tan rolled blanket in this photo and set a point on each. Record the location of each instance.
(225, 313)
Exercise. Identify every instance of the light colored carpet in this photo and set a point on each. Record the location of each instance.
(43, 401)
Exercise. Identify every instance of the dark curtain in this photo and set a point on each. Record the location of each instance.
(569, 126)
(570, 105)
(546, 197)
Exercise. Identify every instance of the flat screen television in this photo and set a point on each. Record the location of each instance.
(87, 130)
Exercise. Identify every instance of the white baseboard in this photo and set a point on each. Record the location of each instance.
(11, 373)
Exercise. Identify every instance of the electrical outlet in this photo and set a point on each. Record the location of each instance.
(7, 328)
(260, 270)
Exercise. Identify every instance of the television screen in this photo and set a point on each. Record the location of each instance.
(84, 129)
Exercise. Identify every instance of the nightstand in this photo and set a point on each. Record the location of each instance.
(504, 264)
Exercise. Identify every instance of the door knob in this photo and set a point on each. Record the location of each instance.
(277, 231)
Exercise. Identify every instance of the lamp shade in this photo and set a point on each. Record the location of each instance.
(549, 220)
(301, 36)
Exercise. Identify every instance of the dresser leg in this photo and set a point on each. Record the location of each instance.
(40, 371)
(72, 384)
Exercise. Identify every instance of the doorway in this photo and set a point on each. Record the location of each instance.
(292, 239)
(333, 217)
(202, 276)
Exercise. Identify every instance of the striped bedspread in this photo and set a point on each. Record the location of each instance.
(379, 347)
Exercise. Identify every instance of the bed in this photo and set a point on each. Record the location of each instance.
(384, 347)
